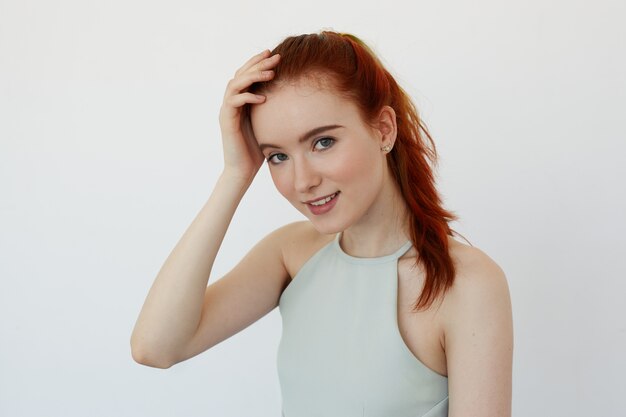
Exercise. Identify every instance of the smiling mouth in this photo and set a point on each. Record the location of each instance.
(324, 200)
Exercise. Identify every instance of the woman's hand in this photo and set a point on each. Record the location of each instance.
(242, 156)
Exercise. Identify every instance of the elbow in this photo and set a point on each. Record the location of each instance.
(149, 357)
(147, 360)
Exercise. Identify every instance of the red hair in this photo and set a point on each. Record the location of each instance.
(356, 72)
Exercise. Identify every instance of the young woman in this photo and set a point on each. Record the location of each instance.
(384, 313)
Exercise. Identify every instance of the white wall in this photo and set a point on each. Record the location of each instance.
(109, 146)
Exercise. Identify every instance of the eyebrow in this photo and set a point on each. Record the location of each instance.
(304, 137)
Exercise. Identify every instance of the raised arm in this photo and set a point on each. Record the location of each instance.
(173, 310)
(479, 339)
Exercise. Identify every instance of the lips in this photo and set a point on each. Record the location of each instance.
(322, 200)
(322, 205)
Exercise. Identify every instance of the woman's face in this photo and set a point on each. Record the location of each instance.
(324, 159)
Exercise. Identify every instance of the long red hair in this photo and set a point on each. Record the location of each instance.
(357, 73)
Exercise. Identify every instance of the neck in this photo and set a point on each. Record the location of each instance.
(383, 229)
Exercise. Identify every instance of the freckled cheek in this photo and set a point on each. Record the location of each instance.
(354, 168)
(282, 182)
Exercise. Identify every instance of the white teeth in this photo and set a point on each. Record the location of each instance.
(323, 200)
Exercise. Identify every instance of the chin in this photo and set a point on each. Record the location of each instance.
(327, 226)
(327, 231)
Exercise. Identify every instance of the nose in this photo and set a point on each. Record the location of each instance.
(305, 176)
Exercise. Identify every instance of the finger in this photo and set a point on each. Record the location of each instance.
(239, 100)
(254, 60)
(262, 65)
(267, 63)
(242, 82)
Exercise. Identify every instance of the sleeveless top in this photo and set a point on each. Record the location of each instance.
(341, 353)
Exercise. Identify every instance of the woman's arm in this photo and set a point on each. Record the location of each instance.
(172, 311)
(479, 339)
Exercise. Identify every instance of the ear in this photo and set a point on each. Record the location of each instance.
(386, 126)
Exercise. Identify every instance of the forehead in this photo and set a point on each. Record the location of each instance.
(292, 108)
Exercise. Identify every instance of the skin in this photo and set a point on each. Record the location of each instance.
(466, 335)
(346, 158)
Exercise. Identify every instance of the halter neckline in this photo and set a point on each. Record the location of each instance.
(379, 259)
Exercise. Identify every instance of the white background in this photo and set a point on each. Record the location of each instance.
(109, 146)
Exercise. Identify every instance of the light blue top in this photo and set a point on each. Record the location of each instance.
(341, 353)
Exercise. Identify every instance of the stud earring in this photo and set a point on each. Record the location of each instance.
(386, 148)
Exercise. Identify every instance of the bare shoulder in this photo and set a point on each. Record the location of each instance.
(478, 335)
(479, 297)
(478, 277)
(298, 241)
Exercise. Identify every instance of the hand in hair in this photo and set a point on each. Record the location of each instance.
(242, 157)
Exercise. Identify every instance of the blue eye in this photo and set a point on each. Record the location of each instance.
(277, 158)
(324, 143)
